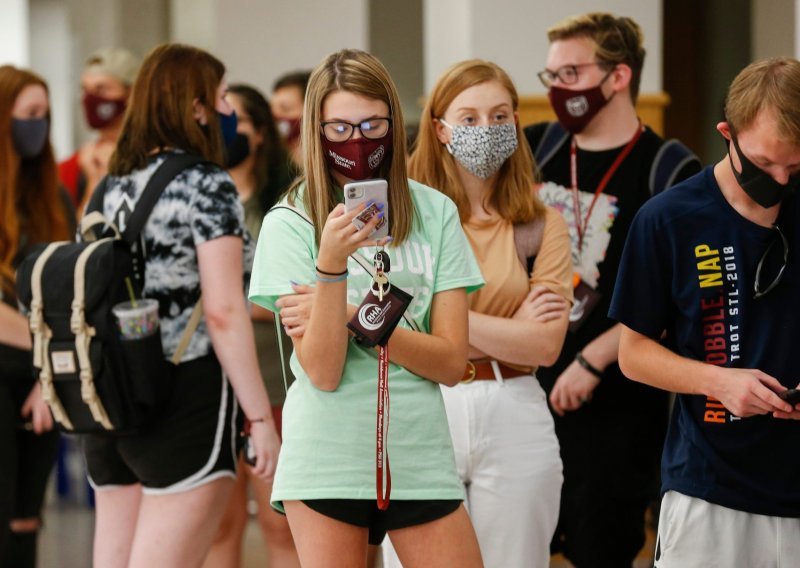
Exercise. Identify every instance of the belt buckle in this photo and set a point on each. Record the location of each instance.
(473, 372)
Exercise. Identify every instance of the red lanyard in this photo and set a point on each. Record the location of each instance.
(576, 203)
(381, 448)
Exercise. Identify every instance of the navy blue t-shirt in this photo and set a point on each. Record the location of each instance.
(689, 268)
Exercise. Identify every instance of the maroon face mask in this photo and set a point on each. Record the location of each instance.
(575, 109)
(357, 158)
(289, 129)
(100, 112)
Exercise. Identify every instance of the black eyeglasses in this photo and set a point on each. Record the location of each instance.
(759, 291)
(568, 74)
(372, 128)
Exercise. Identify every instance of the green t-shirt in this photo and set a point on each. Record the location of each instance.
(329, 437)
(266, 335)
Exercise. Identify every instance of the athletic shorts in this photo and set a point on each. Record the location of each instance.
(191, 443)
(399, 515)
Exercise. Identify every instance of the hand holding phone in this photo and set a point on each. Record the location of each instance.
(374, 192)
(792, 396)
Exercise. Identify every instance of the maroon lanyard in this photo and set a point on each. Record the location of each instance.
(381, 448)
(581, 226)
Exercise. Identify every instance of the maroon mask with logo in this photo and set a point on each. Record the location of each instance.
(100, 112)
(357, 158)
(289, 129)
(575, 109)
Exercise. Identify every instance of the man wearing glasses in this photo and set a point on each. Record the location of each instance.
(601, 165)
(707, 297)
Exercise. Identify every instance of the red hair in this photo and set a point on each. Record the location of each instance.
(29, 192)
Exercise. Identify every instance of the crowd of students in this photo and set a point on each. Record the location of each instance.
(515, 432)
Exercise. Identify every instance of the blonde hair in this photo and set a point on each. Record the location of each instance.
(360, 73)
(617, 40)
(512, 195)
(772, 84)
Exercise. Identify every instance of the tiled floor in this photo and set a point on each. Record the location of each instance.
(66, 541)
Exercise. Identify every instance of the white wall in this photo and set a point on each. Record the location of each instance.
(50, 34)
(773, 28)
(260, 40)
(513, 34)
(14, 41)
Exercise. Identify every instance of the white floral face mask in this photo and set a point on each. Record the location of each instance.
(482, 150)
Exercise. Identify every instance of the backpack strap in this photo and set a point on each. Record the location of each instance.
(98, 195)
(669, 161)
(89, 223)
(158, 182)
(83, 333)
(191, 327)
(528, 240)
(279, 337)
(41, 338)
(553, 138)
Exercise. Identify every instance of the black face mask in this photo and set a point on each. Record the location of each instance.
(758, 184)
(30, 135)
(237, 151)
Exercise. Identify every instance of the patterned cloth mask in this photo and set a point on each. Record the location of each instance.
(482, 150)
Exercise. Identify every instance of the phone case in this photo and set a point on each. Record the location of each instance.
(358, 192)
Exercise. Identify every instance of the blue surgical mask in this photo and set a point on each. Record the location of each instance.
(228, 124)
(30, 135)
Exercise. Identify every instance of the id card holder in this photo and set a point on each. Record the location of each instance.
(586, 299)
(376, 318)
(382, 309)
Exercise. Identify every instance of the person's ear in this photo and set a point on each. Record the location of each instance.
(199, 112)
(725, 129)
(621, 77)
(442, 132)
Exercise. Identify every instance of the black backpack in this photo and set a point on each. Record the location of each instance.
(92, 379)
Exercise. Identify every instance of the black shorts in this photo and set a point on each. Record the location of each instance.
(399, 514)
(191, 443)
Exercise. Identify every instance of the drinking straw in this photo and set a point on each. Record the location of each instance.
(130, 291)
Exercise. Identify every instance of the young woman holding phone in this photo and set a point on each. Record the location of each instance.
(326, 479)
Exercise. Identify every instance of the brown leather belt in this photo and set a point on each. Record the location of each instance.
(483, 371)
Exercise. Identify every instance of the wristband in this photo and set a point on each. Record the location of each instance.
(588, 366)
(339, 278)
(326, 273)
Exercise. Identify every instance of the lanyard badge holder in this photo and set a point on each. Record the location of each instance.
(586, 297)
(373, 324)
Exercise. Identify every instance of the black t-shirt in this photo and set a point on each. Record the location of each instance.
(611, 218)
(689, 268)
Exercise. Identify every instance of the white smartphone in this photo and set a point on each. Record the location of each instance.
(375, 190)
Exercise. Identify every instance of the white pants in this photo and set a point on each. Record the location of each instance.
(695, 533)
(508, 459)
